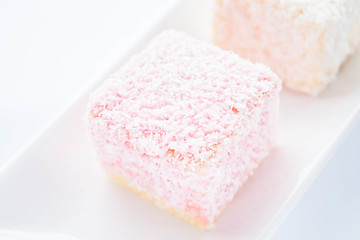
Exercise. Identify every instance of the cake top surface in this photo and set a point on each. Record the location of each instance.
(303, 2)
(179, 95)
(312, 10)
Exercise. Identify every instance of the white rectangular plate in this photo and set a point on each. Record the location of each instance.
(55, 184)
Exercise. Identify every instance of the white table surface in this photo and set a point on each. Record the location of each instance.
(46, 50)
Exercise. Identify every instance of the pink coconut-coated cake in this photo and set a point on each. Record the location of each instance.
(184, 123)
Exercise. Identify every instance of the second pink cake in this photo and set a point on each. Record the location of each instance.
(184, 123)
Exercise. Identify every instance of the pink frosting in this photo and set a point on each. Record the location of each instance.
(184, 116)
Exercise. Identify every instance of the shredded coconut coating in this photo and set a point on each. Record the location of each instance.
(304, 41)
(170, 120)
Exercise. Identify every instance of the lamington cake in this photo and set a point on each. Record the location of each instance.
(304, 41)
(184, 123)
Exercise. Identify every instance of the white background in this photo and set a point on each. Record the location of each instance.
(46, 51)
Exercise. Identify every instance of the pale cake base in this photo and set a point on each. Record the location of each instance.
(126, 183)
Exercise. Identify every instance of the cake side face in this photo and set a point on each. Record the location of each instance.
(304, 42)
(170, 121)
